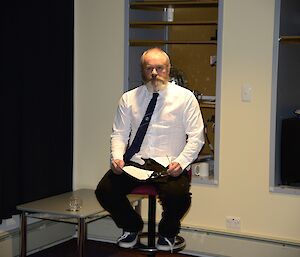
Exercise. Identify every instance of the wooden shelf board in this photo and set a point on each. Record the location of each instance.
(166, 23)
(166, 42)
(178, 4)
(290, 39)
(203, 105)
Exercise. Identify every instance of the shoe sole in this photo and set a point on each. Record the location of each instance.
(178, 245)
(128, 244)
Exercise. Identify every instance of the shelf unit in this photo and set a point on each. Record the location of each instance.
(149, 26)
(158, 6)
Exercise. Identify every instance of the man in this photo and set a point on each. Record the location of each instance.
(173, 139)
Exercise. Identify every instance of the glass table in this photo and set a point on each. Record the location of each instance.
(56, 208)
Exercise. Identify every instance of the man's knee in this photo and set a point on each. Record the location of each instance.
(103, 191)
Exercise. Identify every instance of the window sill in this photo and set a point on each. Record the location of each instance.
(204, 180)
(285, 190)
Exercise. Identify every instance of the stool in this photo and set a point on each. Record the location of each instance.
(151, 192)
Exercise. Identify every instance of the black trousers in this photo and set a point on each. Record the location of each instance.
(174, 197)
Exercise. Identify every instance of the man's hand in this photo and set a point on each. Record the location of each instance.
(117, 166)
(174, 169)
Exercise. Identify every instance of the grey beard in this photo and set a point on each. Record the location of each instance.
(158, 85)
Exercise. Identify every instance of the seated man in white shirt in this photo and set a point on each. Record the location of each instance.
(173, 139)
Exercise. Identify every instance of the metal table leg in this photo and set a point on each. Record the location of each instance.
(81, 236)
(23, 237)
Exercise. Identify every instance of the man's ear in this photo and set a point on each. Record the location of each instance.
(143, 74)
(143, 77)
(169, 69)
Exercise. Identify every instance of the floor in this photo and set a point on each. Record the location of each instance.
(96, 249)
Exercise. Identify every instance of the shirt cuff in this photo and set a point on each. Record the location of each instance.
(183, 163)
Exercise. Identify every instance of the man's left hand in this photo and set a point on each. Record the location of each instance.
(174, 169)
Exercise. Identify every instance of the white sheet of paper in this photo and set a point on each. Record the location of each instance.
(137, 172)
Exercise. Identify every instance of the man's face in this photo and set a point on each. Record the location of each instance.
(156, 69)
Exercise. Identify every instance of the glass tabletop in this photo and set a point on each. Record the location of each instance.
(58, 207)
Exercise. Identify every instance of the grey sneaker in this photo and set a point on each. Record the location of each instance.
(128, 239)
(169, 243)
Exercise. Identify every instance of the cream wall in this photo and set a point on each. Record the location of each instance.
(99, 75)
(243, 189)
(247, 46)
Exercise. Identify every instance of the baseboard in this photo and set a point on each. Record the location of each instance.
(40, 235)
(202, 242)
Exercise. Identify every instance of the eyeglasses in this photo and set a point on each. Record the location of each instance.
(158, 68)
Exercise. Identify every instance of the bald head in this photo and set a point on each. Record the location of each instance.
(155, 52)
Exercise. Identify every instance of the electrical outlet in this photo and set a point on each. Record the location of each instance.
(233, 222)
(246, 93)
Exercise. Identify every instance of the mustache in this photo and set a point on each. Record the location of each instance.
(155, 79)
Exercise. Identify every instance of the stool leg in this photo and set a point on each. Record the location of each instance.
(151, 220)
(23, 237)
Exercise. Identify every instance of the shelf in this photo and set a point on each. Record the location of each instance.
(207, 105)
(171, 4)
(290, 39)
(167, 23)
(161, 5)
(167, 42)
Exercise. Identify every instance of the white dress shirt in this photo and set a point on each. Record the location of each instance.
(175, 132)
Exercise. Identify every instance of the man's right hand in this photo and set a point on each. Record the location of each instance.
(117, 166)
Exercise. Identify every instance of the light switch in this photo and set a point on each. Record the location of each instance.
(246, 93)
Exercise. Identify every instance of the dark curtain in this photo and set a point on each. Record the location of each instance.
(36, 100)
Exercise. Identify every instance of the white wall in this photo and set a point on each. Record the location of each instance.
(243, 189)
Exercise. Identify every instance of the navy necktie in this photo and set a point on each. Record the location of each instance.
(141, 132)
